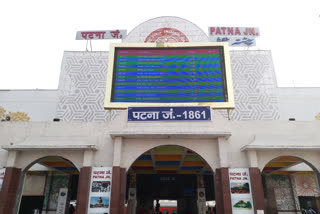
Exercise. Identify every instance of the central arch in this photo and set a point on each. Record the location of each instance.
(171, 179)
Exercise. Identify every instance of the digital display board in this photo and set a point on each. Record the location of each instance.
(143, 75)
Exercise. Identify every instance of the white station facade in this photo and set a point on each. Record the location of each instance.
(61, 147)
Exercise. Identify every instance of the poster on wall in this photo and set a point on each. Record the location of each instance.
(240, 189)
(2, 173)
(100, 190)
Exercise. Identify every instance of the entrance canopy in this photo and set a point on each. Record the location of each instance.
(170, 160)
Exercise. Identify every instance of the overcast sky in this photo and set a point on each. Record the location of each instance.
(35, 33)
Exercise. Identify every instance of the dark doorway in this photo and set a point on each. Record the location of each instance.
(170, 173)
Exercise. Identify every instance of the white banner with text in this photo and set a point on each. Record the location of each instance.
(240, 188)
(100, 190)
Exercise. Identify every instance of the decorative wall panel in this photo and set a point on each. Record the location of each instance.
(254, 85)
(82, 87)
(282, 191)
(306, 185)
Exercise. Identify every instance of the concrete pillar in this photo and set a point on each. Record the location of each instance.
(87, 158)
(117, 149)
(11, 160)
(118, 188)
(257, 189)
(83, 190)
(115, 190)
(218, 191)
(10, 186)
(123, 179)
(223, 152)
(223, 195)
(252, 158)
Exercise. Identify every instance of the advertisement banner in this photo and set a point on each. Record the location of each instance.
(2, 173)
(100, 190)
(240, 189)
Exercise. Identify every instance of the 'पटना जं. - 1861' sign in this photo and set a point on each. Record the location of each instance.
(199, 113)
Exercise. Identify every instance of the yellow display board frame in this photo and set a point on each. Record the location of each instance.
(229, 104)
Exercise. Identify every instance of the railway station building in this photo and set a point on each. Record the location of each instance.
(61, 147)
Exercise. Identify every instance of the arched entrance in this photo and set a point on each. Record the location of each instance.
(47, 185)
(170, 179)
(291, 185)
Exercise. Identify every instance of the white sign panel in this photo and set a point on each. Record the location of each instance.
(235, 36)
(101, 34)
(2, 173)
(240, 188)
(201, 202)
(62, 201)
(100, 190)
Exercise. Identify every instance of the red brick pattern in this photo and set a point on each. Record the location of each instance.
(123, 176)
(83, 190)
(115, 190)
(226, 195)
(223, 195)
(9, 190)
(218, 189)
(257, 189)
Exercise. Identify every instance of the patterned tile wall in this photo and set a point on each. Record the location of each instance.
(255, 86)
(306, 185)
(282, 190)
(82, 87)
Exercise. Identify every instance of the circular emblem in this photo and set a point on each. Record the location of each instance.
(62, 194)
(166, 35)
(201, 194)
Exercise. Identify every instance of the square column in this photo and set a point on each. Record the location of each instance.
(257, 189)
(83, 190)
(8, 193)
(118, 190)
(223, 151)
(223, 195)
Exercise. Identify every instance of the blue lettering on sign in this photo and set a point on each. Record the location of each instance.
(199, 113)
(244, 40)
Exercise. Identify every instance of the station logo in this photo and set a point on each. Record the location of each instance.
(166, 35)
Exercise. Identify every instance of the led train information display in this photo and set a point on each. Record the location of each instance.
(157, 76)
